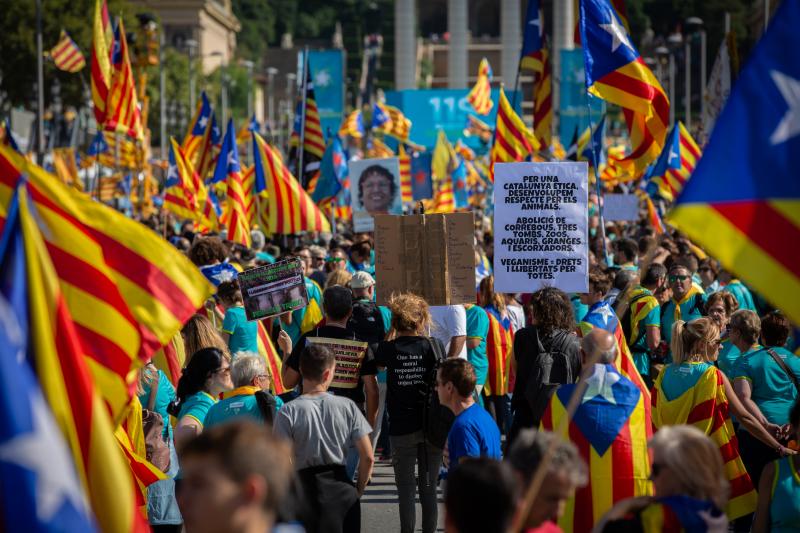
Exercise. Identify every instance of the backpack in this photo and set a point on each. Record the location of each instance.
(156, 447)
(436, 418)
(266, 405)
(539, 389)
(367, 322)
(625, 321)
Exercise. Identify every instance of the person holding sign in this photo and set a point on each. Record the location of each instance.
(376, 189)
(237, 332)
(355, 374)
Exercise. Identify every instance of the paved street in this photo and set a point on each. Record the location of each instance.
(379, 510)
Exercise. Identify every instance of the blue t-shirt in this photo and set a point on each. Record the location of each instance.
(473, 434)
(244, 334)
(742, 295)
(478, 328)
(238, 403)
(164, 395)
(691, 309)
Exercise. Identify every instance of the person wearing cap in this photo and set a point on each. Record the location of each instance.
(371, 323)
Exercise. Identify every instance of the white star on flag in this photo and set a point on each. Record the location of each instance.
(203, 121)
(673, 155)
(172, 172)
(233, 163)
(789, 125)
(618, 34)
(606, 312)
(44, 452)
(600, 384)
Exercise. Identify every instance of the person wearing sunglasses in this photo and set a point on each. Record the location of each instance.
(708, 272)
(687, 303)
(691, 490)
(207, 375)
(693, 390)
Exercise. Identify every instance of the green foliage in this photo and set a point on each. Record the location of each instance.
(18, 57)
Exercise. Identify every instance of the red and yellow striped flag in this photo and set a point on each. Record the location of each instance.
(675, 164)
(66, 55)
(236, 216)
(398, 126)
(267, 350)
(512, 140)
(289, 207)
(499, 344)
(313, 140)
(543, 102)
(130, 437)
(249, 191)
(480, 97)
(102, 41)
(69, 387)
(406, 195)
(122, 106)
(179, 193)
(66, 167)
(112, 267)
(705, 407)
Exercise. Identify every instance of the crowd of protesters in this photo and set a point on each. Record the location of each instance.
(459, 412)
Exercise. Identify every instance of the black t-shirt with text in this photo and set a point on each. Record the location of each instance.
(408, 361)
(347, 384)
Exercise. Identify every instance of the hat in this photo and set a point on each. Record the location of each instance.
(361, 280)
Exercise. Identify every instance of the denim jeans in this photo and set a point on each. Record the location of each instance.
(407, 451)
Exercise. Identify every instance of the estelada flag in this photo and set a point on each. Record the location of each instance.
(705, 407)
(616, 73)
(601, 315)
(743, 201)
(499, 344)
(512, 140)
(675, 164)
(610, 430)
(480, 97)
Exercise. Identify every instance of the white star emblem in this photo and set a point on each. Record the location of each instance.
(203, 121)
(44, 452)
(673, 155)
(172, 172)
(618, 34)
(606, 312)
(789, 125)
(600, 383)
(232, 162)
(322, 79)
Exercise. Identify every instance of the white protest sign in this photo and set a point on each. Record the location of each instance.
(620, 207)
(541, 226)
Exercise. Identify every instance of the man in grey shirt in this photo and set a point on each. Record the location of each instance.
(322, 427)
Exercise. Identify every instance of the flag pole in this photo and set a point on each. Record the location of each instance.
(304, 100)
(596, 154)
(40, 86)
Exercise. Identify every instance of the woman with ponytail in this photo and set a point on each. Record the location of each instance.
(207, 375)
(693, 391)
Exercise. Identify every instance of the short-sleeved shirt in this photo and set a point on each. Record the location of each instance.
(474, 434)
(366, 367)
(322, 428)
(238, 403)
(772, 390)
(243, 334)
(196, 406)
(409, 361)
(164, 395)
(314, 293)
(449, 321)
(742, 295)
(680, 378)
(728, 355)
(478, 328)
(690, 309)
(645, 312)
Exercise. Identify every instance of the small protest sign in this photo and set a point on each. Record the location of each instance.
(349, 355)
(273, 289)
(620, 207)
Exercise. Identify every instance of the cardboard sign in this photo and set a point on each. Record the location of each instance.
(429, 255)
(620, 207)
(349, 356)
(541, 226)
(273, 289)
(374, 189)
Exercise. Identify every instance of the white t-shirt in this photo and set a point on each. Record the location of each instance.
(449, 321)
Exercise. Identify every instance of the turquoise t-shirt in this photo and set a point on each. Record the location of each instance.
(238, 403)
(680, 378)
(196, 406)
(691, 309)
(772, 390)
(728, 355)
(478, 328)
(293, 329)
(386, 314)
(244, 334)
(164, 395)
(579, 309)
(784, 509)
(639, 350)
(742, 295)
